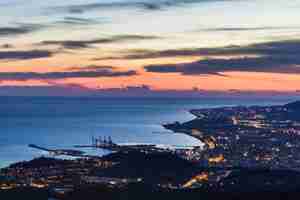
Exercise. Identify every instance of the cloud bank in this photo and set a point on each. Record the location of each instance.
(83, 73)
(271, 57)
(79, 44)
(19, 29)
(278, 48)
(25, 55)
(148, 5)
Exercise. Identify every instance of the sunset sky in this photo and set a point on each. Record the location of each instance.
(165, 44)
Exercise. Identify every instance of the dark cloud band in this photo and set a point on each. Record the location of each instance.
(219, 66)
(78, 44)
(280, 48)
(76, 21)
(25, 55)
(23, 76)
(272, 57)
(238, 29)
(142, 4)
(19, 29)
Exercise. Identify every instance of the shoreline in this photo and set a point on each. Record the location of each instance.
(246, 148)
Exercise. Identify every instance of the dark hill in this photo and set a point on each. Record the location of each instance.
(40, 162)
(263, 180)
(293, 105)
(152, 167)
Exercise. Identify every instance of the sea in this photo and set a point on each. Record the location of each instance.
(62, 122)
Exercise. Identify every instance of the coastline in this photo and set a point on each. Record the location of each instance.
(252, 149)
(14, 143)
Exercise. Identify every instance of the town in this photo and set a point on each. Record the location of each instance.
(251, 137)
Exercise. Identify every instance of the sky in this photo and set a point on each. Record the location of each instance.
(164, 44)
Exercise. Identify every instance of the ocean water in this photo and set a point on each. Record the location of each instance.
(60, 122)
